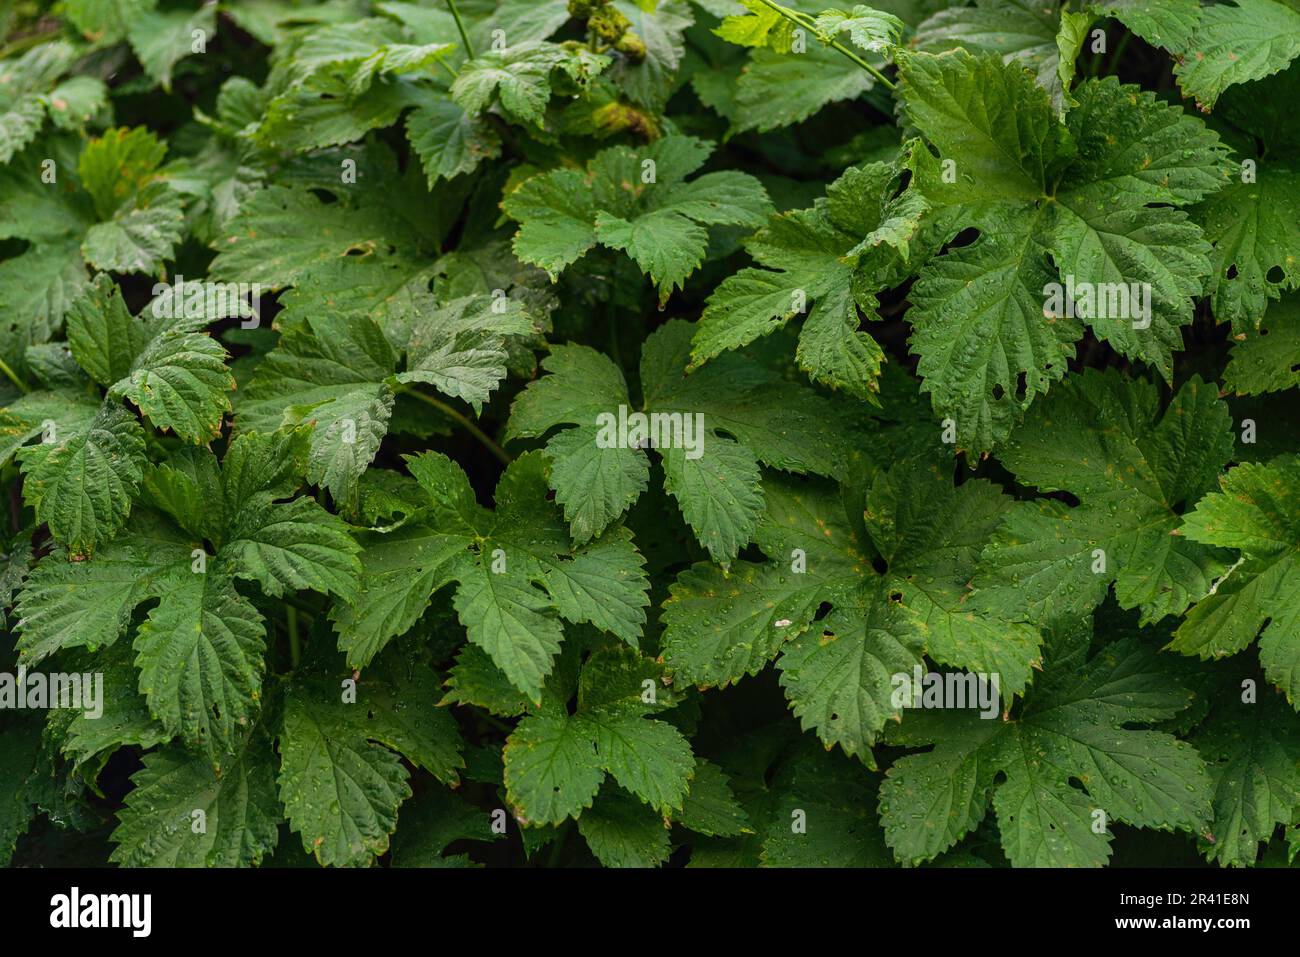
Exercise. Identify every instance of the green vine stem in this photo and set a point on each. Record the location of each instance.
(463, 421)
(464, 36)
(295, 643)
(23, 387)
(803, 20)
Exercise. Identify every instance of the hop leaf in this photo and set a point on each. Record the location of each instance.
(517, 574)
(637, 201)
(717, 483)
(1256, 513)
(1073, 727)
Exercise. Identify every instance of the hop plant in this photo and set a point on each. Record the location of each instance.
(745, 434)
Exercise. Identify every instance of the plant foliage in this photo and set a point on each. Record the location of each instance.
(468, 432)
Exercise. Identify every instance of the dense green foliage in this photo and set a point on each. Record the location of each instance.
(965, 339)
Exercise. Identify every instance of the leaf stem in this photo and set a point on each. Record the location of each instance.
(464, 37)
(463, 421)
(1119, 52)
(295, 643)
(557, 848)
(495, 722)
(23, 44)
(13, 377)
(801, 19)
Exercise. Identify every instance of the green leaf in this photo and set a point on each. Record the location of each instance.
(635, 201)
(840, 682)
(200, 659)
(140, 217)
(666, 245)
(873, 30)
(978, 326)
(554, 764)
(603, 584)
(556, 220)
(1254, 229)
(240, 812)
(102, 335)
(460, 347)
(930, 535)
(293, 545)
(475, 680)
(723, 626)
(830, 800)
(180, 382)
(431, 822)
(992, 120)
(32, 88)
(1162, 23)
(19, 124)
(175, 374)
(1236, 43)
(518, 77)
(652, 759)
(330, 371)
(710, 807)
(517, 573)
(1133, 469)
(1266, 361)
(395, 707)
(650, 81)
(282, 235)
(399, 574)
(552, 770)
(69, 604)
(107, 20)
(713, 477)
(125, 719)
(762, 26)
(1252, 752)
(340, 789)
(511, 619)
(622, 832)
(44, 413)
(1256, 512)
(161, 38)
(595, 485)
(448, 140)
(1015, 31)
(1070, 754)
(1157, 248)
(781, 89)
(18, 756)
(813, 254)
(721, 498)
(83, 485)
